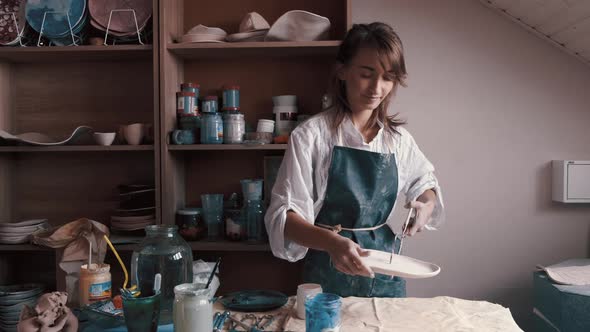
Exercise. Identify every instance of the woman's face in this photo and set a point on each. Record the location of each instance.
(367, 82)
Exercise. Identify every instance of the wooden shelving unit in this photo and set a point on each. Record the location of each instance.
(224, 147)
(54, 89)
(262, 70)
(76, 148)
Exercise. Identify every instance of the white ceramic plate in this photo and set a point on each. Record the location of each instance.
(42, 139)
(401, 266)
(31, 222)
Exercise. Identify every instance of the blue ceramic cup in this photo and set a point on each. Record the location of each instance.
(182, 136)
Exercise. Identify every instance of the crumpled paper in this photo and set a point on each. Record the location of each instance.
(72, 241)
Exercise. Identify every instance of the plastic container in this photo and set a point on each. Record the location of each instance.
(194, 88)
(193, 310)
(285, 119)
(162, 251)
(231, 98)
(322, 312)
(94, 283)
(211, 128)
(265, 126)
(284, 100)
(185, 104)
(210, 104)
(234, 128)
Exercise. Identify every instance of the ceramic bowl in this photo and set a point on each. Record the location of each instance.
(104, 139)
(284, 100)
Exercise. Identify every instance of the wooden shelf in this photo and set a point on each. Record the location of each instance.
(76, 148)
(22, 247)
(228, 246)
(222, 147)
(266, 49)
(83, 53)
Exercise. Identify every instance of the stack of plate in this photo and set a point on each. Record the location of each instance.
(20, 232)
(122, 24)
(8, 29)
(12, 300)
(137, 208)
(56, 27)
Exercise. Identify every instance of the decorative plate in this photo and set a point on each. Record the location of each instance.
(254, 300)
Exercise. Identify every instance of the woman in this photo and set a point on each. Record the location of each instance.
(341, 173)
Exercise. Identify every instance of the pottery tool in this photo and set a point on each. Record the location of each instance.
(89, 254)
(401, 241)
(128, 291)
(213, 273)
(157, 283)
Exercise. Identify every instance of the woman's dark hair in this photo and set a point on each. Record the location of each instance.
(381, 37)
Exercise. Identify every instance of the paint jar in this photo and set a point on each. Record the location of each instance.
(185, 104)
(265, 126)
(209, 104)
(322, 312)
(234, 127)
(211, 128)
(193, 310)
(94, 283)
(231, 98)
(194, 88)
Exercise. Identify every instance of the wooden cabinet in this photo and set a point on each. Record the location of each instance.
(53, 89)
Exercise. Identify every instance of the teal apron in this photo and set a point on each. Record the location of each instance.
(361, 192)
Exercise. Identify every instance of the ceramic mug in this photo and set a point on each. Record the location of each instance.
(304, 291)
(134, 133)
(182, 136)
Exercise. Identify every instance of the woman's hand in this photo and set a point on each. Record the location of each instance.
(424, 208)
(346, 257)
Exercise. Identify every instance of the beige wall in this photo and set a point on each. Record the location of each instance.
(490, 104)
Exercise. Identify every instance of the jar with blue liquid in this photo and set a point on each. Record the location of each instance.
(322, 312)
(211, 128)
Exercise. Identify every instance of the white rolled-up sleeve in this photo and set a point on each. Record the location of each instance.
(420, 177)
(293, 190)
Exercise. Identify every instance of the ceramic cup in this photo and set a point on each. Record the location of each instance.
(134, 133)
(304, 291)
(183, 137)
(104, 139)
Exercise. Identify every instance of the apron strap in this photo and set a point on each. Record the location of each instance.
(338, 228)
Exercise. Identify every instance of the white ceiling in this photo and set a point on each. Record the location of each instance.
(564, 23)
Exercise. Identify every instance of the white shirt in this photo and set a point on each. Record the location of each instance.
(303, 176)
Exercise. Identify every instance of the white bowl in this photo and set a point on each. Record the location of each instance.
(104, 138)
(284, 100)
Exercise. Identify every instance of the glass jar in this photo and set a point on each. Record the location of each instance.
(210, 104)
(193, 309)
(193, 88)
(322, 312)
(190, 224)
(211, 128)
(162, 251)
(253, 210)
(234, 127)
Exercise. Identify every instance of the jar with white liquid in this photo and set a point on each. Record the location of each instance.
(193, 309)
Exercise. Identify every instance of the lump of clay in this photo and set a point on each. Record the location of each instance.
(49, 315)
